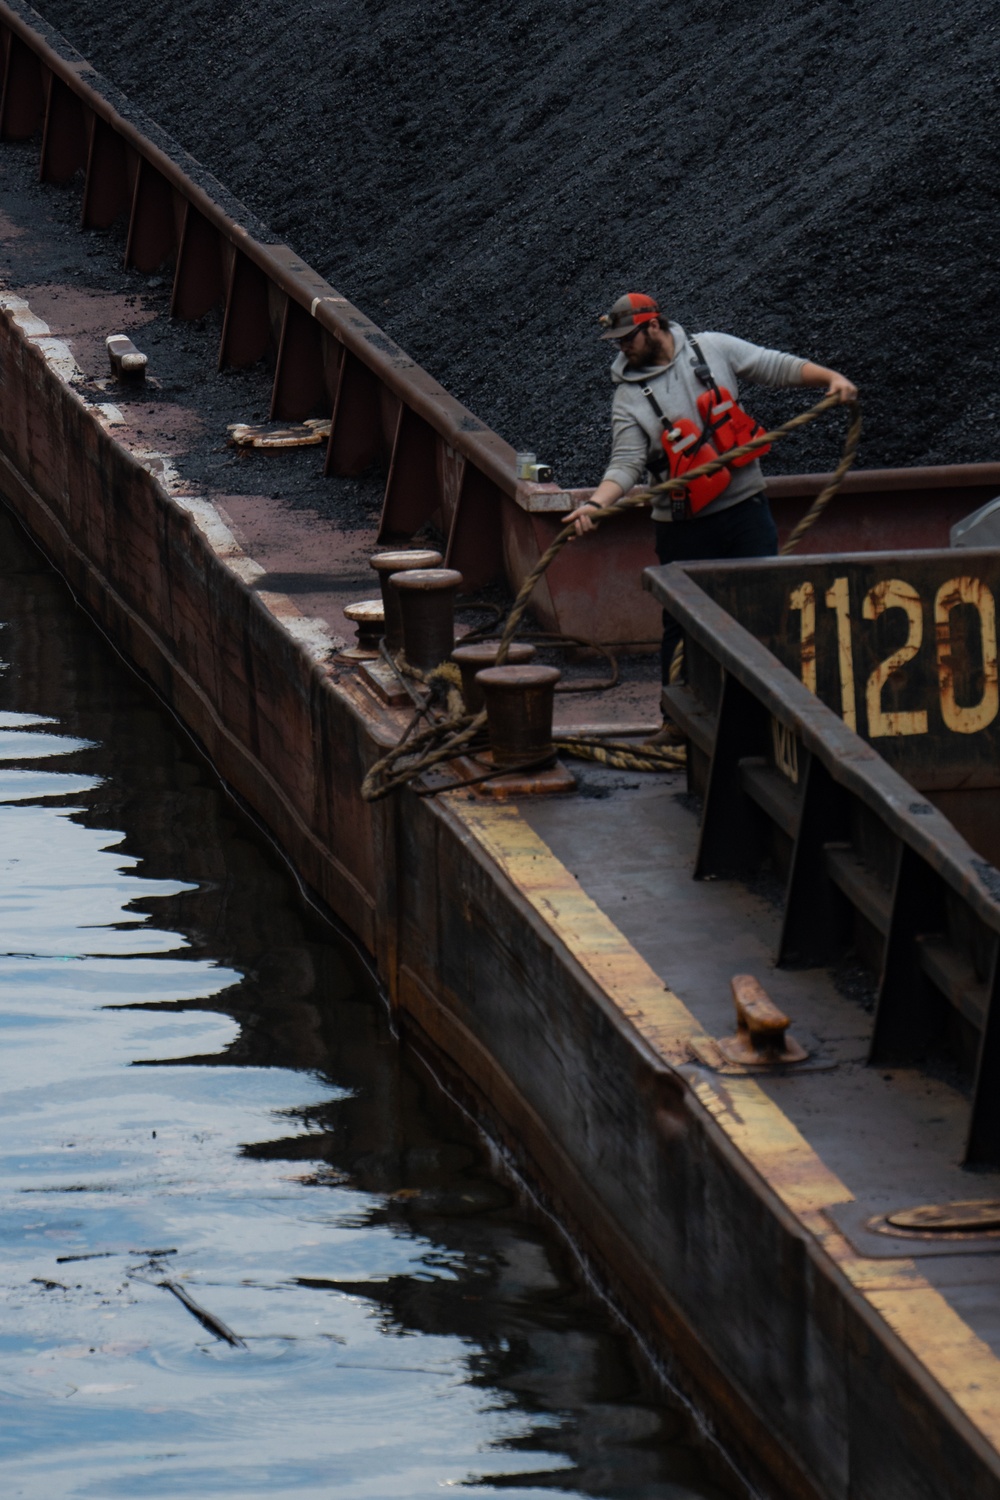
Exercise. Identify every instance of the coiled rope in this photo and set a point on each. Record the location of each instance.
(445, 738)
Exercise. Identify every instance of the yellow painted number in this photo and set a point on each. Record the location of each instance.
(975, 716)
(893, 593)
(804, 599)
(839, 599)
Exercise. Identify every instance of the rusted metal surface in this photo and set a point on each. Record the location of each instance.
(902, 645)
(519, 712)
(868, 863)
(762, 1035)
(701, 1204)
(125, 359)
(591, 588)
(596, 1082)
(978, 1216)
(387, 563)
(472, 660)
(762, 1043)
(307, 434)
(426, 602)
(880, 509)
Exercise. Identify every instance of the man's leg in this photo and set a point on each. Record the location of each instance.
(669, 542)
(744, 530)
(747, 530)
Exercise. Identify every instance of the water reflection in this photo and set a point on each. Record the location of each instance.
(200, 1087)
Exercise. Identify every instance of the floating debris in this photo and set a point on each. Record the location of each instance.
(205, 1318)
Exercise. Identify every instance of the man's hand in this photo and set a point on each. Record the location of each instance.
(836, 384)
(581, 518)
(840, 386)
(607, 493)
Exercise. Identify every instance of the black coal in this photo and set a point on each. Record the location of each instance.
(484, 180)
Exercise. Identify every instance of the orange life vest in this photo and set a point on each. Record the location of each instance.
(686, 446)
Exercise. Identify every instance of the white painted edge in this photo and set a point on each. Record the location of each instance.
(111, 416)
(22, 315)
(341, 301)
(315, 636)
(57, 352)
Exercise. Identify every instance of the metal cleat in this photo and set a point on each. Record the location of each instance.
(369, 618)
(762, 1037)
(426, 600)
(387, 563)
(762, 1041)
(126, 361)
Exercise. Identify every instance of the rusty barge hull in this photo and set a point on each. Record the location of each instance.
(702, 1205)
(833, 1372)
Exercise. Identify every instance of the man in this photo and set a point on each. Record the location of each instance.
(667, 386)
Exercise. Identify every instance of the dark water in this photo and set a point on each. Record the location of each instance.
(200, 1085)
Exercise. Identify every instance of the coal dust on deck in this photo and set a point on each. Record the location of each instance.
(201, 1088)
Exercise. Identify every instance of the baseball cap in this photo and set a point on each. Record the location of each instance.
(628, 314)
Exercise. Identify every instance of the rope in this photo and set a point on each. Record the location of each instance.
(621, 755)
(815, 510)
(448, 738)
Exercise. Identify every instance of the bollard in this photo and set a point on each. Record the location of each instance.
(126, 361)
(369, 617)
(385, 564)
(476, 658)
(519, 709)
(426, 598)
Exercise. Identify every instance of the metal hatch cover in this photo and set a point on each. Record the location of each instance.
(868, 1229)
(976, 1216)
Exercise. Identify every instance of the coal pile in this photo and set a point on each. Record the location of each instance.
(484, 181)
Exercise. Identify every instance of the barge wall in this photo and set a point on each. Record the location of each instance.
(700, 1205)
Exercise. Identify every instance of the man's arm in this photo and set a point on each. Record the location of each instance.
(779, 371)
(629, 455)
(836, 385)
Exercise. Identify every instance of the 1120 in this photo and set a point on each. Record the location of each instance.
(897, 594)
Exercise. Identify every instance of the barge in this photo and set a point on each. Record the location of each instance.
(795, 1232)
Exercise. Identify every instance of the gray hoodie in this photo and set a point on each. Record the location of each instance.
(635, 427)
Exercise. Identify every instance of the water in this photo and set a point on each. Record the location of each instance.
(200, 1087)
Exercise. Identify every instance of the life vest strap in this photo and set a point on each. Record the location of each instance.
(724, 425)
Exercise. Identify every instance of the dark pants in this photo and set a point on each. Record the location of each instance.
(745, 530)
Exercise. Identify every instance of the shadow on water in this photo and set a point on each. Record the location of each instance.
(201, 1088)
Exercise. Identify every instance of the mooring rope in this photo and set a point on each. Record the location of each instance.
(450, 737)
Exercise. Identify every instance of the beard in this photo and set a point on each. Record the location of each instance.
(647, 356)
(637, 358)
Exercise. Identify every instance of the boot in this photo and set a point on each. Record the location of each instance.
(669, 734)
